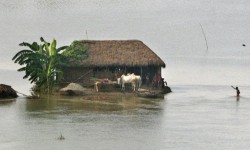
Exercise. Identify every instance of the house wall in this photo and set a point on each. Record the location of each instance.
(103, 73)
(77, 75)
(87, 76)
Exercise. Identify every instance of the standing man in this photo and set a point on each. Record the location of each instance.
(237, 91)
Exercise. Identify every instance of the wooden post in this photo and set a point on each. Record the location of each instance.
(141, 75)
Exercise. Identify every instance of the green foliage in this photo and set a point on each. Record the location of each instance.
(76, 51)
(40, 63)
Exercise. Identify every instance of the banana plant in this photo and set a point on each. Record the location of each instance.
(54, 56)
(40, 62)
(31, 59)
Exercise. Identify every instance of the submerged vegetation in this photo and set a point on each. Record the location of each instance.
(7, 91)
(40, 62)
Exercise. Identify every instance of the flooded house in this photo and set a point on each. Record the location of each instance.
(110, 59)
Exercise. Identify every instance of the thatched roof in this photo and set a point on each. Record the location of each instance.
(7, 92)
(118, 53)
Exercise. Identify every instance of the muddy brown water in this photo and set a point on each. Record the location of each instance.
(191, 117)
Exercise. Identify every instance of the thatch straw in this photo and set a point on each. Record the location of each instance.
(119, 53)
(7, 92)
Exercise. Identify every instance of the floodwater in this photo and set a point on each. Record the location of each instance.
(202, 112)
(192, 117)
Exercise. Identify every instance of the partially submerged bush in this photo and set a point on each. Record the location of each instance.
(7, 92)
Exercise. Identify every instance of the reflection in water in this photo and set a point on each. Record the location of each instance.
(237, 98)
(71, 104)
(109, 122)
